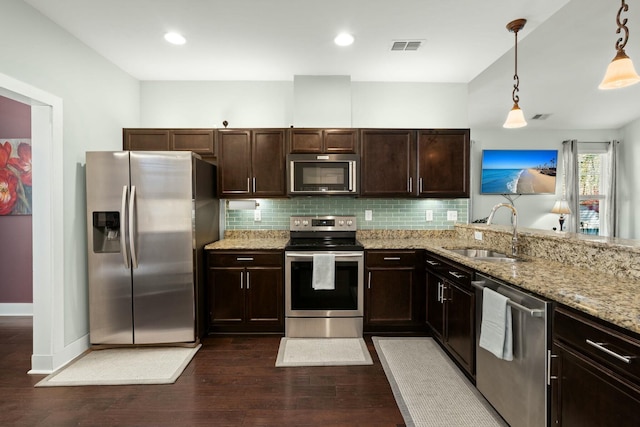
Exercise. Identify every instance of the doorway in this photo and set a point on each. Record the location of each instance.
(49, 349)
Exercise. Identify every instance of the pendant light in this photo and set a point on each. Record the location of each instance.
(515, 118)
(620, 72)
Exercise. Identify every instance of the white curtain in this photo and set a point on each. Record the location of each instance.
(608, 221)
(571, 190)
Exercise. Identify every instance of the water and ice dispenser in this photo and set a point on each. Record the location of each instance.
(106, 232)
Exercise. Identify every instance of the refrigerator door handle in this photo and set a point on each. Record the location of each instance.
(123, 228)
(132, 228)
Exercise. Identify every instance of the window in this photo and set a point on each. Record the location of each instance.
(592, 185)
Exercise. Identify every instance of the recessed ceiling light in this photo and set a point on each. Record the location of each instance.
(175, 38)
(343, 39)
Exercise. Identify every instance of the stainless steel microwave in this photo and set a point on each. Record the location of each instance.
(322, 174)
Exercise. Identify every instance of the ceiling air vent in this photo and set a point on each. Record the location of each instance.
(540, 117)
(406, 45)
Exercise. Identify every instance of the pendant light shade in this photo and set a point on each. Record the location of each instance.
(620, 72)
(515, 118)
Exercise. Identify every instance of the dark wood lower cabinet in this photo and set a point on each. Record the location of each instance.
(451, 309)
(245, 292)
(394, 292)
(585, 393)
(595, 372)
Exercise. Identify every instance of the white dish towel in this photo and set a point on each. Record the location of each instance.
(324, 272)
(495, 330)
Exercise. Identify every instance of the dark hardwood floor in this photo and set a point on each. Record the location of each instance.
(232, 381)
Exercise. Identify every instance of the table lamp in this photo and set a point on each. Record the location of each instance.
(561, 207)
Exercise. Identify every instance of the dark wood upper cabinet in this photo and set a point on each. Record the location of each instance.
(251, 162)
(387, 162)
(443, 163)
(329, 141)
(415, 163)
(145, 139)
(201, 141)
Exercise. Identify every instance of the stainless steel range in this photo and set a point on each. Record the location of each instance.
(324, 278)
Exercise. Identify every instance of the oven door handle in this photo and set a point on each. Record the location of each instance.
(310, 255)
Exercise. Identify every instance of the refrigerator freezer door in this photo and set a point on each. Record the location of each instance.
(162, 226)
(110, 316)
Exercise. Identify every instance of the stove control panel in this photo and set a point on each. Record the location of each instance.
(322, 223)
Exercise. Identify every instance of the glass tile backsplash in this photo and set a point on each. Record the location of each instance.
(387, 214)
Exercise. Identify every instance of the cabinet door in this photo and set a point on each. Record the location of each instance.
(435, 306)
(264, 306)
(268, 163)
(459, 326)
(340, 141)
(306, 141)
(443, 163)
(226, 295)
(234, 173)
(389, 297)
(388, 163)
(587, 394)
(145, 139)
(200, 141)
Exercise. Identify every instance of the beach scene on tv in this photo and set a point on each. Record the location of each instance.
(519, 171)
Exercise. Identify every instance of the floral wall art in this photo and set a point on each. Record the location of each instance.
(15, 177)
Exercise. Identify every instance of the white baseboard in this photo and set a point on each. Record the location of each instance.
(16, 309)
(48, 363)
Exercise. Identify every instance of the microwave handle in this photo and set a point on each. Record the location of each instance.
(352, 174)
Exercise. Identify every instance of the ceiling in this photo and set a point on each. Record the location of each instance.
(562, 51)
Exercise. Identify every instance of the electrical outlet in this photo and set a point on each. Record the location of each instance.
(428, 215)
(257, 215)
(477, 235)
(452, 215)
(368, 215)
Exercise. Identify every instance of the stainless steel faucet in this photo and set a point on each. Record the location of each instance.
(514, 222)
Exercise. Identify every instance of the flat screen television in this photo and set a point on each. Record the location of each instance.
(518, 171)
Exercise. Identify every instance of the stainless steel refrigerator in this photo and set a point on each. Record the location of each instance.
(149, 215)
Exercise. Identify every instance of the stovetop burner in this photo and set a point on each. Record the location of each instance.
(326, 232)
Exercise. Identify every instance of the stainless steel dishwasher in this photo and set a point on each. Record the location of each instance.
(517, 389)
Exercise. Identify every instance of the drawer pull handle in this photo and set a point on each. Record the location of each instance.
(392, 258)
(600, 346)
(457, 275)
(244, 259)
(432, 262)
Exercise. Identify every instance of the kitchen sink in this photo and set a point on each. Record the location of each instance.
(485, 255)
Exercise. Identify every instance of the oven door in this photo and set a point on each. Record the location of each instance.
(345, 300)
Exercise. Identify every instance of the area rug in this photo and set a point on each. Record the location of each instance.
(120, 366)
(429, 389)
(322, 352)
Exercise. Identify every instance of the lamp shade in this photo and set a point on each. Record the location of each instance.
(620, 73)
(561, 207)
(515, 118)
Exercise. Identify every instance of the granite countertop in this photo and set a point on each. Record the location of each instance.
(605, 296)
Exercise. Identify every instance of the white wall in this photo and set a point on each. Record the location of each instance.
(208, 104)
(270, 104)
(533, 210)
(99, 100)
(629, 182)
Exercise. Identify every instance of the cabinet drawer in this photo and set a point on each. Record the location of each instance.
(245, 259)
(434, 264)
(452, 271)
(611, 348)
(391, 258)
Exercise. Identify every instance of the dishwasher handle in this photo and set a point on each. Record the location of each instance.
(479, 284)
